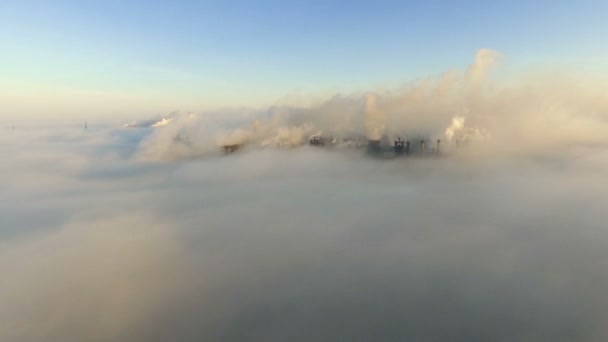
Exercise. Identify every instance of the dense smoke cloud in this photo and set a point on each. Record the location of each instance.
(515, 115)
(506, 242)
(485, 60)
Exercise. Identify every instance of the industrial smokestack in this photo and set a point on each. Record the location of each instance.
(398, 146)
(317, 141)
(421, 146)
(407, 147)
(438, 145)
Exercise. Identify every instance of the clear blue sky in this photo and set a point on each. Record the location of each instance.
(112, 58)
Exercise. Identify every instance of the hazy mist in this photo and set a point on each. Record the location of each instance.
(120, 234)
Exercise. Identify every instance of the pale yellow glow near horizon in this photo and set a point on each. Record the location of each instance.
(22, 101)
(31, 100)
(45, 102)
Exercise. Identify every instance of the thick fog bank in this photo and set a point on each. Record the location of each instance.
(305, 245)
(103, 239)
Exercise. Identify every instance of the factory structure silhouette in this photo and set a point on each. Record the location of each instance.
(384, 147)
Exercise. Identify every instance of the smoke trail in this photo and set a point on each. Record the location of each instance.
(456, 126)
(374, 122)
(485, 60)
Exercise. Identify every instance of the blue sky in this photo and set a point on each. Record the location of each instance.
(123, 58)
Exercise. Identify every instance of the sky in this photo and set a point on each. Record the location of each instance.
(492, 227)
(114, 59)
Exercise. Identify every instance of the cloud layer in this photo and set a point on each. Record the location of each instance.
(98, 243)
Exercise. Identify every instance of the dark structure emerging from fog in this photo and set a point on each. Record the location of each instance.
(317, 141)
(374, 147)
(399, 147)
(382, 147)
(402, 148)
(230, 148)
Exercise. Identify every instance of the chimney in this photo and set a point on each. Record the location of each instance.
(398, 146)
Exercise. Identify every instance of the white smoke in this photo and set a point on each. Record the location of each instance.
(456, 126)
(162, 122)
(374, 118)
(485, 60)
(517, 115)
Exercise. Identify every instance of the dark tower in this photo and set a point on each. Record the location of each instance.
(407, 147)
(438, 145)
(399, 146)
(316, 141)
(421, 146)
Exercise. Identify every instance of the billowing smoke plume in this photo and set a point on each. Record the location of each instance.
(456, 126)
(374, 118)
(485, 60)
(507, 115)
